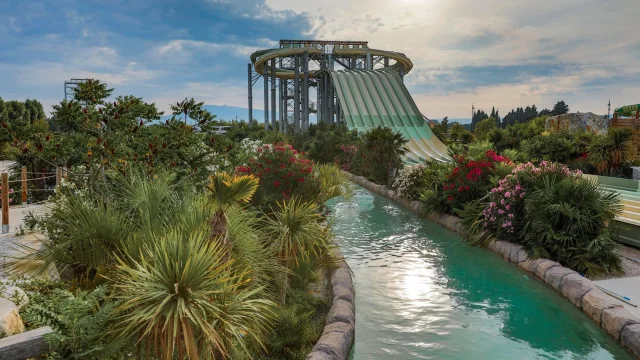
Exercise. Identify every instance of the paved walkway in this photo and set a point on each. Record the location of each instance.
(18, 213)
(629, 287)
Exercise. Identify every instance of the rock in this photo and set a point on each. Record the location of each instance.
(433, 216)
(319, 355)
(615, 319)
(574, 287)
(630, 338)
(513, 254)
(336, 345)
(450, 222)
(342, 286)
(595, 302)
(391, 194)
(503, 248)
(577, 122)
(14, 294)
(522, 256)
(342, 311)
(10, 321)
(531, 265)
(544, 266)
(555, 275)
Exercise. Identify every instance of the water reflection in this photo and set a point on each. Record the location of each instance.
(423, 294)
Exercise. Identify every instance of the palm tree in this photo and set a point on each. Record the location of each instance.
(294, 227)
(621, 146)
(186, 106)
(226, 190)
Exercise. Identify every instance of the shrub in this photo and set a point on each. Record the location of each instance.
(566, 221)
(282, 170)
(80, 322)
(554, 213)
(504, 212)
(470, 179)
(410, 181)
(379, 154)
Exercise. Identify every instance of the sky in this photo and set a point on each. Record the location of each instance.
(483, 52)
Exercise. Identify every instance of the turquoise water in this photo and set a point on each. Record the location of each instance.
(421, 293)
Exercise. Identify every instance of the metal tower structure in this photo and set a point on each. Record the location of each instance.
(69, 85)
(300, 70)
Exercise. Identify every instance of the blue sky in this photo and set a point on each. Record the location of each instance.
(490, 52)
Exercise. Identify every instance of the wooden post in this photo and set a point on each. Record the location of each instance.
(24, 185)
(58, 177)
(5, 203)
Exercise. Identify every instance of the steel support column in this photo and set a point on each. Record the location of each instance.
(369, 63)
(273, 94)
(325, 97)
(282, 87)
(337, 111)
(250, 91)
(296, 96)
(305, 91)
(331, 100)
(266, 98)
(386, 61)
(401, 72)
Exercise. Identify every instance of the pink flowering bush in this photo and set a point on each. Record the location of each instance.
(504, 212)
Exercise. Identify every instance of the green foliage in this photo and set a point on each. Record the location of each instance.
(567, 221)
(80, 322)
(555, 147)
(560, 108)
(379, 154)
(482, 129)
(608, 153)
(295, 232)
(183, 298)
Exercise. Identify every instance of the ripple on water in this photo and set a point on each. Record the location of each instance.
(423, 294)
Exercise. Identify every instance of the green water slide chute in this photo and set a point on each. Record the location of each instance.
(628, 110)
(372, 98)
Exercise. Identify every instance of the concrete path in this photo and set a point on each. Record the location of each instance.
(18, 213)
(629, 287)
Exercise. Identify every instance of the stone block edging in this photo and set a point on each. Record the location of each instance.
(339, 331)
(604, 310)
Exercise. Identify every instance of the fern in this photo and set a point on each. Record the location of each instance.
(80, 323)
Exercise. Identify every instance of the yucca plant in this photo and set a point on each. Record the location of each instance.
(293, 229)
(567, 220)
(181, 297)
(331, 182)
(225, 190)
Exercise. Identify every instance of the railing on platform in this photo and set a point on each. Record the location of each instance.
(24, 190)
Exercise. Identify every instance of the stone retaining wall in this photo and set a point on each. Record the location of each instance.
(604, 310)
(339, 331)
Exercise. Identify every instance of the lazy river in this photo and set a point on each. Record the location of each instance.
(422, 293)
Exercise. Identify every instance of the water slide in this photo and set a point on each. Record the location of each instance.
(369, 98)
(372, 98)
(628, 110)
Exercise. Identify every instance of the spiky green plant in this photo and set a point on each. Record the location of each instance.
(225, 190)
(294, 230)
(331, 182)
(567, 221)
(181, 297)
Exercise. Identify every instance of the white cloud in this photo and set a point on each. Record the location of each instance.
(594, 37)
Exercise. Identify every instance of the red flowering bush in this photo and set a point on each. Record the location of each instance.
(282, 170)
(470, 179)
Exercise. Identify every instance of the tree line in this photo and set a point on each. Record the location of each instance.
(519, 115)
